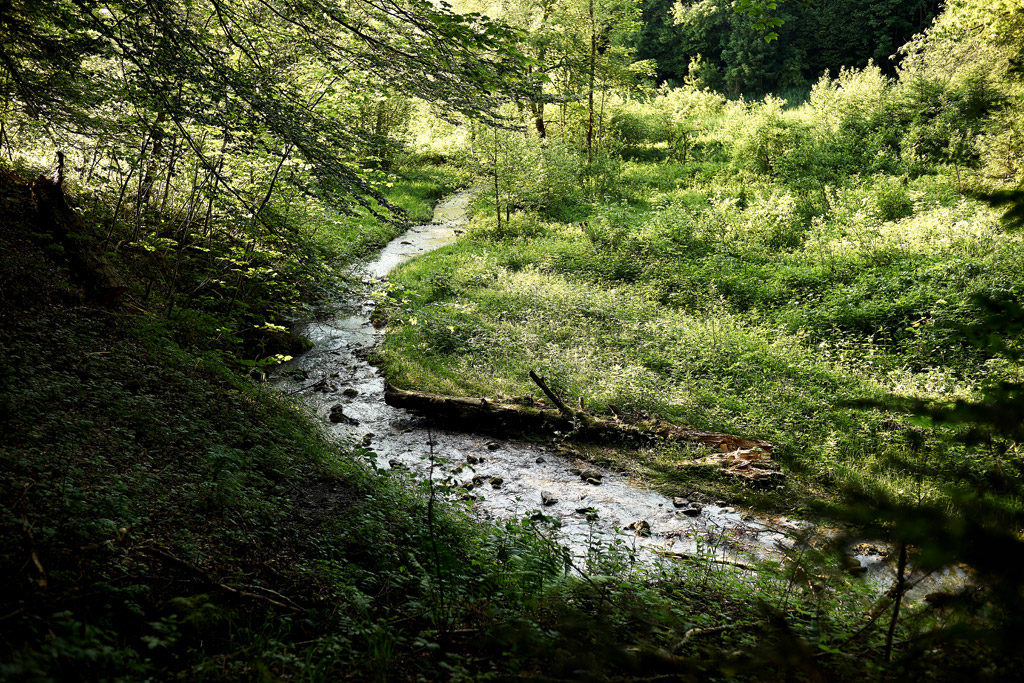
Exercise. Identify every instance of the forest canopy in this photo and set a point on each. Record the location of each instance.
(716, 47)
(283, 79)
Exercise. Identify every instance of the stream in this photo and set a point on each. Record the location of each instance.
(512, 479)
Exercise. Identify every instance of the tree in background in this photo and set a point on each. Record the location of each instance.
(806, 38)
(271, 73)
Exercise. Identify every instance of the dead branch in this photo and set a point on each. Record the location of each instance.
(559, 403)
(244, 591)
(471, 413)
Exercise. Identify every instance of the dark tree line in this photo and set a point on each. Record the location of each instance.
(815, 36)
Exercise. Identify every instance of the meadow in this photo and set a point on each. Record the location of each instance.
(774, 284)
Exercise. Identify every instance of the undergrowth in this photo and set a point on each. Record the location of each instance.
(711, 296)
(163, 516)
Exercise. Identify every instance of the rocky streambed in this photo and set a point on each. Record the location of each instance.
(505, 479)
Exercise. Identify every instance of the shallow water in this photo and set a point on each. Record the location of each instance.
(338, 377)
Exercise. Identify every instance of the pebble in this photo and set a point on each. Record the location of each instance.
(493, 445)
(680, 502)
(338, 415)
(496, 482)
(548, 498)
(640, 527)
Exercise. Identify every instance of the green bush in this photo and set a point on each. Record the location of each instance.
(892, 200)
(638, 128)
(767, 140)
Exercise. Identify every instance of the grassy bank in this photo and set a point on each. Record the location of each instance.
(706, 298)
(163, 516)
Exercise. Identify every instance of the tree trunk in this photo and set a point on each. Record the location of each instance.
(54, 216)
(497, 191)
(900, 590)
(537, 109)
(481, 414)
(590, 87)
(149, 180)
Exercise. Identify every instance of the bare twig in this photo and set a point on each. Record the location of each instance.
(696, 558)
(256, 596)
(559, 403)
(243, 591)
(33, 555)
(900, 589)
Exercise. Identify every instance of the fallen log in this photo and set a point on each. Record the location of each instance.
(481, 414)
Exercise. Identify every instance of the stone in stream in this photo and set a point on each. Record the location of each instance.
(325, 387)
(590, 513)
(680, 502)
(493, 445)
(693, 511)
(548, 498)
(591, 476)
(474, 460)
(338, 415)
(350, 392)
(640, 527)
(539, 460)
(496, 482)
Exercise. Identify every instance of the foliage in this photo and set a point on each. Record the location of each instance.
(824, 274)
(759, 47)
(180, 521)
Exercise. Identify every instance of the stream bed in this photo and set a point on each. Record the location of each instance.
(512, 479)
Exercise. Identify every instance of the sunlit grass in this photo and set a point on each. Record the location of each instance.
(717, 304)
